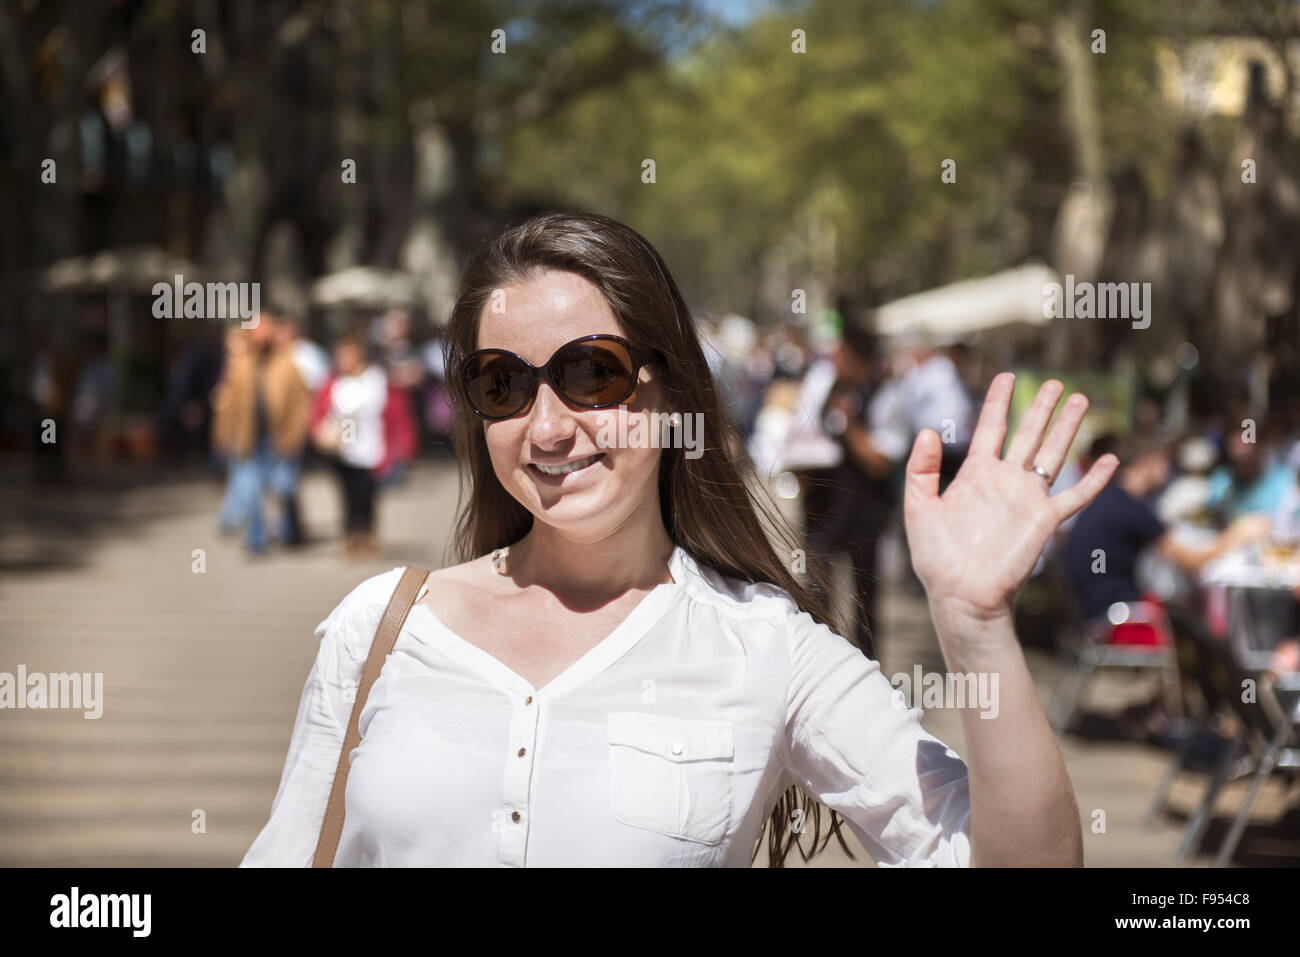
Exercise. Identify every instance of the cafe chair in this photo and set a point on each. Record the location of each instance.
(1201, 666)
(1266, 743)
(1131, 635)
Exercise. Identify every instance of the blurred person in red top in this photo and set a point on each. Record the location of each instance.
(406, 374)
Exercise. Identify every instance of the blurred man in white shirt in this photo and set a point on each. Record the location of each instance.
(930, 395)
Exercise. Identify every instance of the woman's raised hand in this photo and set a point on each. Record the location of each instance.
(974, 546)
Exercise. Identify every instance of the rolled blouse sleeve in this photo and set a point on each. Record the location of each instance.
(289, 837)
(903, 793)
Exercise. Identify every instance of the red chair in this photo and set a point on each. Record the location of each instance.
(1132, 635)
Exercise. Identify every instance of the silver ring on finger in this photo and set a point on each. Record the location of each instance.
(1045, 475)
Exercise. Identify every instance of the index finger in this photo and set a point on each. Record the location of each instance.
(991, 430)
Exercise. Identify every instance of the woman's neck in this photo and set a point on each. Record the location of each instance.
(633, 556)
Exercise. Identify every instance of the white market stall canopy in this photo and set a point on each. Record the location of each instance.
(131, 269)
(365, 287)
(1010, 298)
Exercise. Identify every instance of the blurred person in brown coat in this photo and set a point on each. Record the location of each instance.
(259, 421)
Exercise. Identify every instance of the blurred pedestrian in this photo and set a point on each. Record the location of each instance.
(405, 368)
(52, 387)
(96, 397)
(313, 365)
(347, 425)
(930, 395)
(847, 507)
(260, 410)
(311, 358)
(435, 403)
(830, 442)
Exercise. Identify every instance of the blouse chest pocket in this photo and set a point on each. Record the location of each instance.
(672, 775)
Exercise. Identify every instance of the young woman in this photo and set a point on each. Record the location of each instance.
(624, 670)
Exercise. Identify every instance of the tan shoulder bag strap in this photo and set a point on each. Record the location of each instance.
(399, 606)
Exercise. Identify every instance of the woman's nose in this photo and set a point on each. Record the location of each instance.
(550, 421)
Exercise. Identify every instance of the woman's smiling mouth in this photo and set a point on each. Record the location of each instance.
(557, 472)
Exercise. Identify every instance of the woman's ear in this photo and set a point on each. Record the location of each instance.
(652, 396)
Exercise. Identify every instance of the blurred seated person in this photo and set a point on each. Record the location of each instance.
(1286, 515)
(1286, 536)
(1075, 467)
(1186, 497)
(1251, 481)
(1102, 551)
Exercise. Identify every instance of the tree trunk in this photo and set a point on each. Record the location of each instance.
(1083, 223)
(430, 252)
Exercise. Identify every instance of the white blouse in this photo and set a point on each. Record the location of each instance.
(360, 399)
(667, 744)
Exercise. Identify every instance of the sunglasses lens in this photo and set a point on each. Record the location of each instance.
(498, 386)
(595, 373)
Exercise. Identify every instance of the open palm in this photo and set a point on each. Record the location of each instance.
(974, 546)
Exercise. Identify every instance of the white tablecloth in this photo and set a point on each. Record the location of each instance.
(1243, 569)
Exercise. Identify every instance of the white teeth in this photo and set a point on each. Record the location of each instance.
(566, 469)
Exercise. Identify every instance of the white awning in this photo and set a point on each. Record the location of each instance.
(131, 269)
(943, 315)
(365, 287)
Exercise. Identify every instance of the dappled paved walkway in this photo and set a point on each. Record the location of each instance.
(202, 673)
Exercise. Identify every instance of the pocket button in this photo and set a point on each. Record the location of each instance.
(672, 775)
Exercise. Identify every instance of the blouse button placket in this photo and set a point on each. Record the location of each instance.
(516, 784)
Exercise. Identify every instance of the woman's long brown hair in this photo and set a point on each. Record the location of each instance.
(712, 507)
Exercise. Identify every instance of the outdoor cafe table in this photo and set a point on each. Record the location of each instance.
(1250, 596)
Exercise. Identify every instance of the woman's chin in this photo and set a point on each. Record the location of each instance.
(581, 513)
(578, 506)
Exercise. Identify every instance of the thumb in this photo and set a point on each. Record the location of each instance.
(923, 467)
